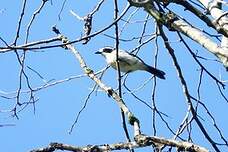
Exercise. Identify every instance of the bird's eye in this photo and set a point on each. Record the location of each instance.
(107, 50)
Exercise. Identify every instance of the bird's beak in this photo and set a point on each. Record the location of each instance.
(98, 52)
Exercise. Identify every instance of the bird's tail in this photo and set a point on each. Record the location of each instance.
(156, 72)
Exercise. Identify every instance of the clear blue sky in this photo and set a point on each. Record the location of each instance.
(100, 122)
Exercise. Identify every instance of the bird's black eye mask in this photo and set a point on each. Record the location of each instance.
(107, 50)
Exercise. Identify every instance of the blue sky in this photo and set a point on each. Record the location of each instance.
(100, 122)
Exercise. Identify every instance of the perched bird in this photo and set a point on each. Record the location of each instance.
(128, 62)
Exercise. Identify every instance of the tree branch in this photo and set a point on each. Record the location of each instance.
(141, 141)
(131, 118)
(172, 22)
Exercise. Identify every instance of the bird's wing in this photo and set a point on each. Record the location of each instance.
(129, 59)
(140, 60)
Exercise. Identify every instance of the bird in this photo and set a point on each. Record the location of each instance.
(128, 62)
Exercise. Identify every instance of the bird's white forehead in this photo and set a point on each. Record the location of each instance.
(108, 47)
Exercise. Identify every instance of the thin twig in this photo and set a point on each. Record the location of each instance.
(186, 92)
(33, 18)
(70, 42)
(116, 10)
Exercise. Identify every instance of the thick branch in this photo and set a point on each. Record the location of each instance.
(202, 16)
(141, 141)
(198, 36)
(172, 22)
